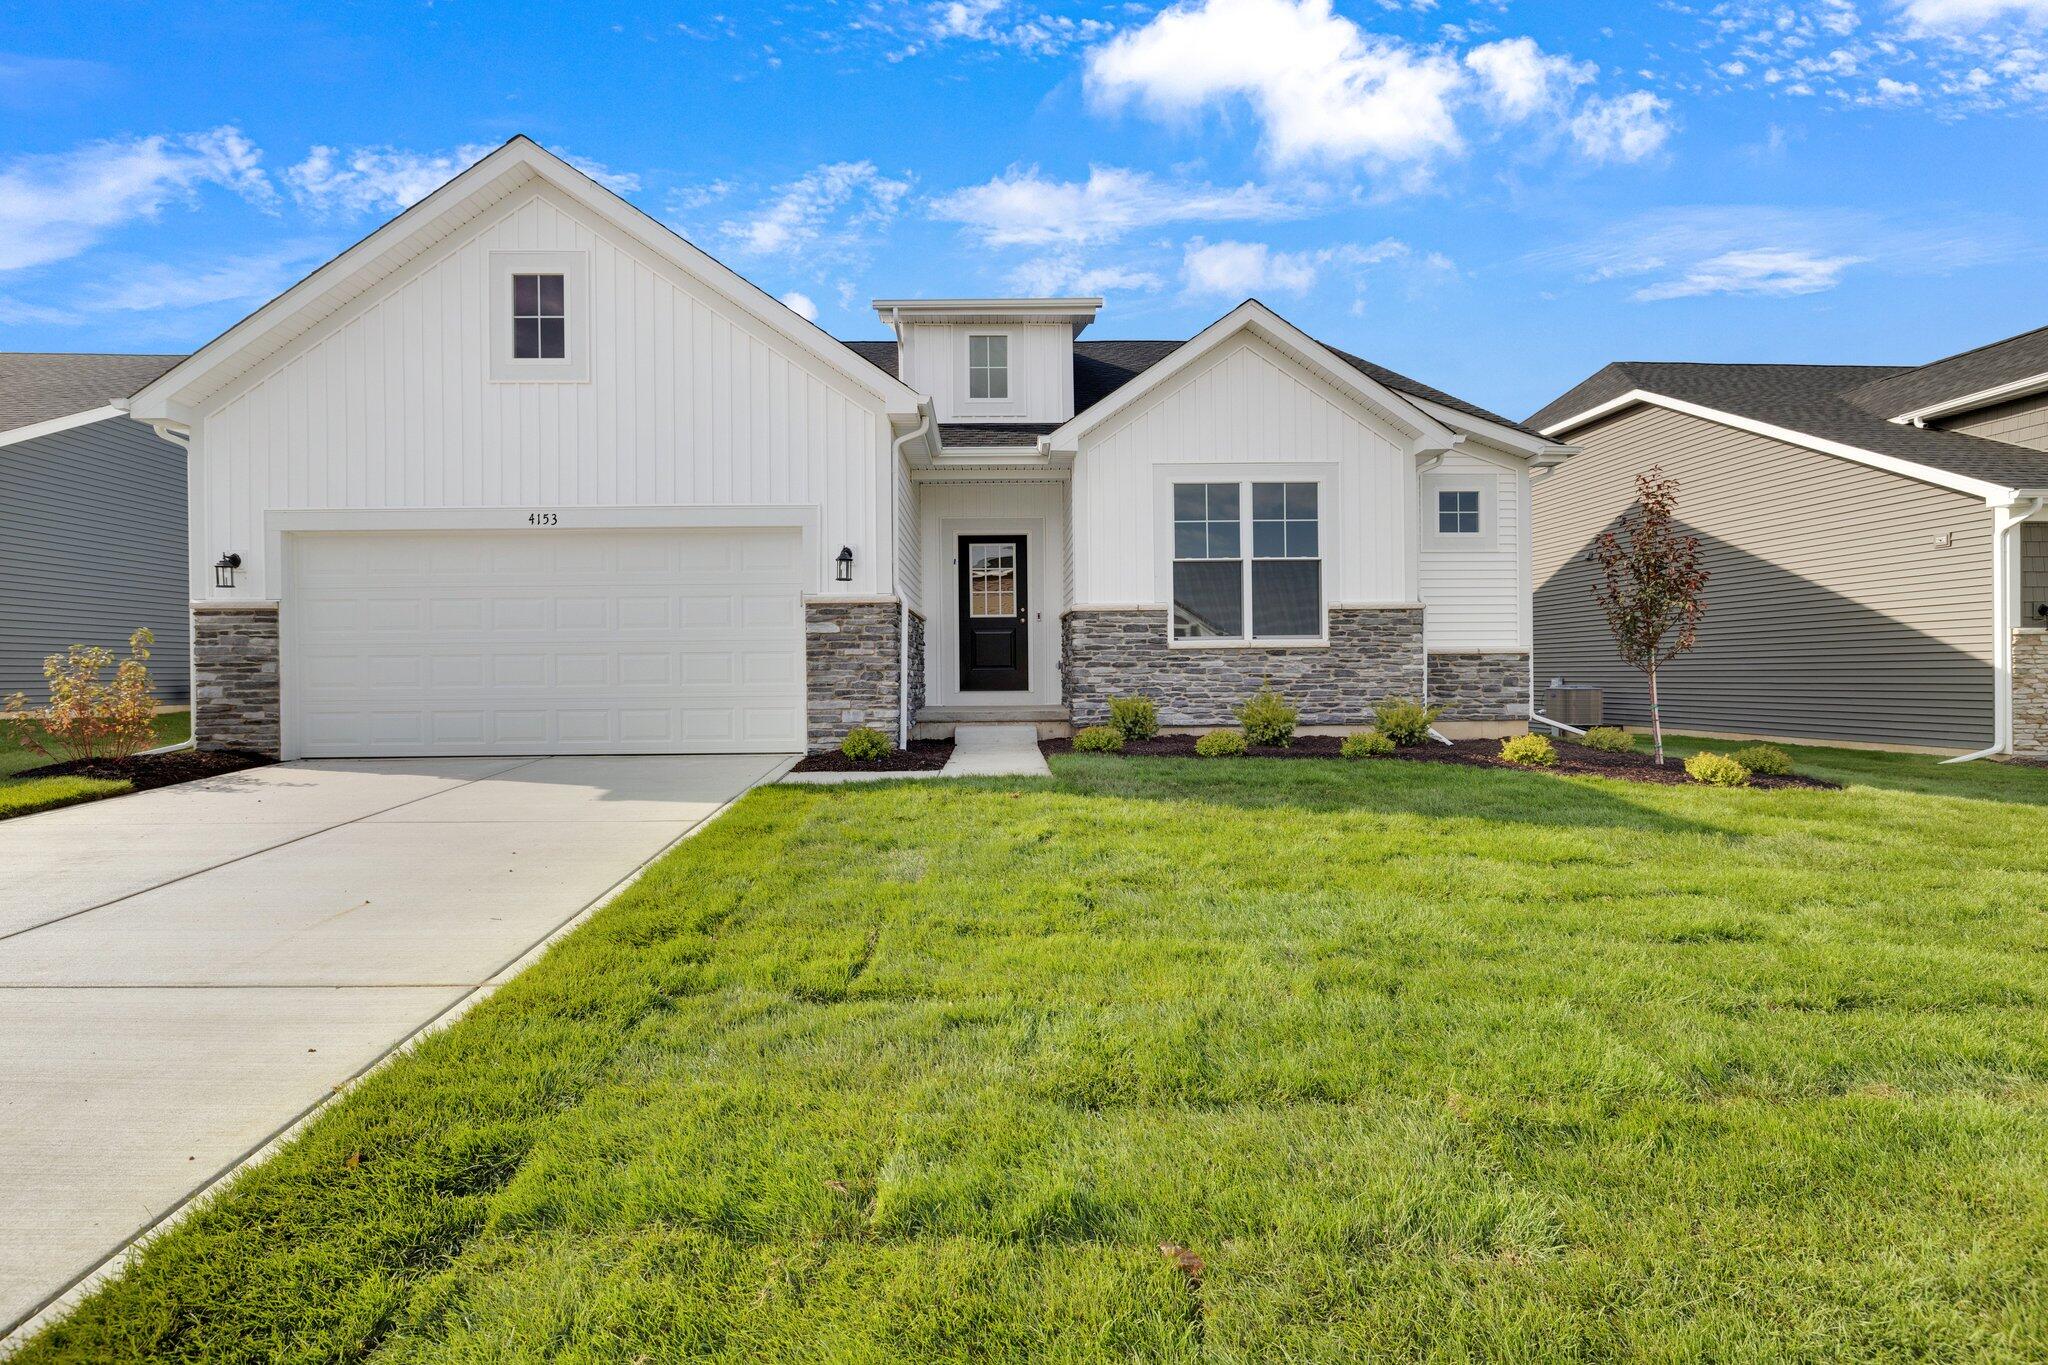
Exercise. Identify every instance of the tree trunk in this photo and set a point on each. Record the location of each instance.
(1656, 719)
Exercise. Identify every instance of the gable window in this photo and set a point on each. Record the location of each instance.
(1221, 592)
(988, 366)
(1457, 512)
(540, 323)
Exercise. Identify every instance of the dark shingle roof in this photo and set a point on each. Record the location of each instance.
(40, 386)
(1967, 372)
(994, 435)
(1103, 367)
(1811, 400)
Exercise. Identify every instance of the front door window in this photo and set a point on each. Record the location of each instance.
(994, 617)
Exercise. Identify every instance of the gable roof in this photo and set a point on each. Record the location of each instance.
(519, 162)
(1981, 370)
(42, 386)
(1103, 367)
(1806, 404)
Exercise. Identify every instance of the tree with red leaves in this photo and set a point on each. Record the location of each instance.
(1652, 587)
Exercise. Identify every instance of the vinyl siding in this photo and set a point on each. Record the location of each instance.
(1474, 591)
(1832, 613)
(92, 546)
(2023, 422)
(909, 540)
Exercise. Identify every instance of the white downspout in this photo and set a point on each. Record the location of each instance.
(897, 457)
(2003, 524)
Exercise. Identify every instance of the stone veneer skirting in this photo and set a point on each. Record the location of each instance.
(1373, 652)
(852, 662)
(236, 702)
(916, 664)
(1475, 684)
(2030, 693)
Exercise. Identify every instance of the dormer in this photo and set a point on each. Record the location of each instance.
(990, 360)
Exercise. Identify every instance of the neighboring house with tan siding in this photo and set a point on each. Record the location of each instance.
(1876, 538)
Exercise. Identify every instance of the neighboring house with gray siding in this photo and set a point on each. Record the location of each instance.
(1875, 535)
(92, 519)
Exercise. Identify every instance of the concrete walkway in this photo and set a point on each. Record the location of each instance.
(186, 972)
(980, 750)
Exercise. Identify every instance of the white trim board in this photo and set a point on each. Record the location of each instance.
(1982, 398)
(1992, 493)
(52, 426)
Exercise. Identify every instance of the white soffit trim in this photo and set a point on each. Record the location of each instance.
(56, 424)
(1297, 345)
(160, 399)
(1993, 493)
(1982, 398)
(1494, 433)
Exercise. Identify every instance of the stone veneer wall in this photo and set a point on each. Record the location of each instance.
(236, 703)
(1476, 684)
(1374, 652)
(852, 662)
(2030, 693)
(916, 664)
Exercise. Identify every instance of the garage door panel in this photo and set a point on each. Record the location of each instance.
(590, 642)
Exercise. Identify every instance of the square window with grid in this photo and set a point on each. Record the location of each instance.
(1217, 588)
(540, 318)
(1457, 512)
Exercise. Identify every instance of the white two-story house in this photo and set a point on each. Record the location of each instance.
(524, 472)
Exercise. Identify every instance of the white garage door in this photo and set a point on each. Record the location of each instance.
(544, 642)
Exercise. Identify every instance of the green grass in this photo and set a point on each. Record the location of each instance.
(26, 795)
(1421, 1062)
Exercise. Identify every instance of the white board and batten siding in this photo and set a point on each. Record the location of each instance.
(934, 362)
(689, 404)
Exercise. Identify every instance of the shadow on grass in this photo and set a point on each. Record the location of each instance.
(1889, 770)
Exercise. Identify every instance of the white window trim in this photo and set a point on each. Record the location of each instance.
(574, 268)
(1012, 404)
(1487, 486)
(1244, 477)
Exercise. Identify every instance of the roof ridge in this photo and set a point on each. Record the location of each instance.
(101, 355)
(1770, 364)
(1987, 346)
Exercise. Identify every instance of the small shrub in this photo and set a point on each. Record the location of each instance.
(1766, 759)
(864, 744)
(1099, 739)
(1267, 719)
(1221, 744)
(1528, 751)
(1609, 739)
(1367, 744)
(1403, 721)
(1134, 717)
(89, 717)
(1716, 770)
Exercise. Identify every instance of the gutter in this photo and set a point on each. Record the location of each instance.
(2001, 626)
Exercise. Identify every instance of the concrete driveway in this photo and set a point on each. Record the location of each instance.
(185, 972)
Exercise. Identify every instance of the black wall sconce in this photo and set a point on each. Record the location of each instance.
(224, 570)
(845, 563)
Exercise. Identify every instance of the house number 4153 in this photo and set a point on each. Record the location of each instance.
(541, 519)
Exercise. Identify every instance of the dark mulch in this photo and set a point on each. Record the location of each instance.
(147, 771)
(923, 756)
(1470, 753)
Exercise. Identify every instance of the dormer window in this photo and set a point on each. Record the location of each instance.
(540, 323)
(988, 367)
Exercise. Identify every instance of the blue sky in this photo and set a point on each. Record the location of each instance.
(1494, 197)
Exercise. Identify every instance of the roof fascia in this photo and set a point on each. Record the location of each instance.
(53, 425)
(1982, 398)
(1995, 495)
(1494, 433)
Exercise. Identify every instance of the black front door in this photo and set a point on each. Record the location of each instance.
(995, 627)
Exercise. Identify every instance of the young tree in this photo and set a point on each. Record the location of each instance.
(1652, 585)
(90, 716)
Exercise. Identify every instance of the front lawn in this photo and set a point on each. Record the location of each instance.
(1185, 1059)
(25, 795)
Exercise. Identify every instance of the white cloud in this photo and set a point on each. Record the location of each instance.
(1965, 15)
(240, 279)
(53, 206)
(1022, 207)
(801, 305)
(1626, 128)
(1239, 269)
(1764, 270)
(367, 179)
(829, 211)
(1325, 89)
(1002, 24)
(1043, 276)
(1519, 80)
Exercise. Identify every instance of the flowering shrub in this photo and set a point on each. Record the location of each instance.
(89, 715)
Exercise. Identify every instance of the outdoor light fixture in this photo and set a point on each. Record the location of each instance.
(845, 563)
(224, 570)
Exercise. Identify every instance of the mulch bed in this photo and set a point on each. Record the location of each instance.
(922, 756)
(1572, 759)
(148, 771)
